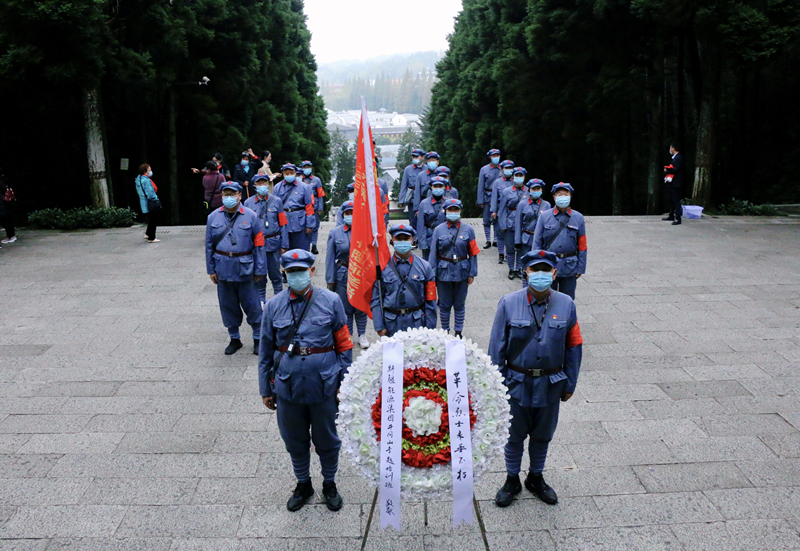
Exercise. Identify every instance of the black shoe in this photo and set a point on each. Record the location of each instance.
(505, 495)
(302, 492)
(255, 347)
(234, 345)
(538, 486)
(677, 222)
(332, 498)
(502, 259)
(458, 334)
(488, 245)
(494, 243)
(314, 249)
(512, 274)
(668, 218)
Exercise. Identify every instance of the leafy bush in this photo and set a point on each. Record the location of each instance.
(85, 217)
(746, 208)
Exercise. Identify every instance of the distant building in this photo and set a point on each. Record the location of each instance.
(382, 122)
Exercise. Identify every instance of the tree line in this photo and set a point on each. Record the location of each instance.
(90, 82)
(593, 92)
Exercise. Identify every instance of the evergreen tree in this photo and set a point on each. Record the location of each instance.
(343, 160)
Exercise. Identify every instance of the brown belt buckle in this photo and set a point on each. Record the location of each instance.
(303, 351)
(229, 254)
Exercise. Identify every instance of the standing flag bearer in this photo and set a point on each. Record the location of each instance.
(508, 204)
(454, 252)
(527, 215)
(305, 353)
(563, 231)
(405, 297)
(537, 345)
(337, 263)
(488, 174)
(235, 261)
(318, 192)
(298, 202)
(369, 252)
(276, 237)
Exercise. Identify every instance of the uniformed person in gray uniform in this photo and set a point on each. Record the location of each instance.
(305, 352)
(537, 345)
(236, 261)
(405, 296)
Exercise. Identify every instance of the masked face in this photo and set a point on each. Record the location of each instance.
(437, 191)
(540, 281)
(403, 247)
(562, 201)
(290, 178)
(262, 190)
(432, 164)
(508, 172)
(453, 216)
(348, 219)
(298, 280)
(536, 192)
(230, 201)
(416, 160)
(245, 162)
(495, 160)
(307, 171)
(518, 180)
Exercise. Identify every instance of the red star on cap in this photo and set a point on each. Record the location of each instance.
(541, 253)
(402, 226)
(295, 255)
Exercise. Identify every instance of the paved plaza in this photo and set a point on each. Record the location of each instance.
(124, 427)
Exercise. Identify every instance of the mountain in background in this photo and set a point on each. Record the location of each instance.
(392, 66)
(398, 83)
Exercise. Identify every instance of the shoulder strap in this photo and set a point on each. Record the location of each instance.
(292, 333)
(227, 230)
(391, 266)
(561, 229)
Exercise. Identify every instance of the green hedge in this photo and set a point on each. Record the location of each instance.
(86, 217)
(746, 208)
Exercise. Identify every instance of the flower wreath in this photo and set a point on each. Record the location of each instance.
(426, 470)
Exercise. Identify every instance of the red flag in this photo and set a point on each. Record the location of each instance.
(368, 235)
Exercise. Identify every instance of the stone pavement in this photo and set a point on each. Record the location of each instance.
(124, 427)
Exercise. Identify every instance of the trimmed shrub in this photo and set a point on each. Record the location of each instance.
(746, 208)
(85, 217)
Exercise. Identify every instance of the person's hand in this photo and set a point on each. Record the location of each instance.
(269, 401)
(382, 333)
(283, 251)
(309, 230)
(494, 215)
(578, 276)
(566, 396)
(246, 183)
(258, 278)
(250, 151)
(195, 171)
(470, 280)
(214, 279)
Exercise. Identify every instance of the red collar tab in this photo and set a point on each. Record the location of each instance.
(398, 259)
(531, 297)
(294, 295)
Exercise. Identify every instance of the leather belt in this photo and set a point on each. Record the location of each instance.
(295, 210)
(450, 258)
(402, 311)
(512, 208)
(533, 372)
(307, 351)
(231, 255)
(566, 255)
(276, 234)
(529, 232)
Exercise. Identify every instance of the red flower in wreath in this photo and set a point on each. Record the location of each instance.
(423, 450)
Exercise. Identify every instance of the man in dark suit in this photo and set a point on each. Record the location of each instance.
(674, 182)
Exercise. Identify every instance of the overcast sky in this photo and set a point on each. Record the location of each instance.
(361, 29)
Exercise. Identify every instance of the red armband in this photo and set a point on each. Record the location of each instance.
(342, 341)
(473, 248)
(574, 337)
(321, 192)
(258, 240)
(430, 290)
(282, 221)
(309, 210)
(582, 243)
